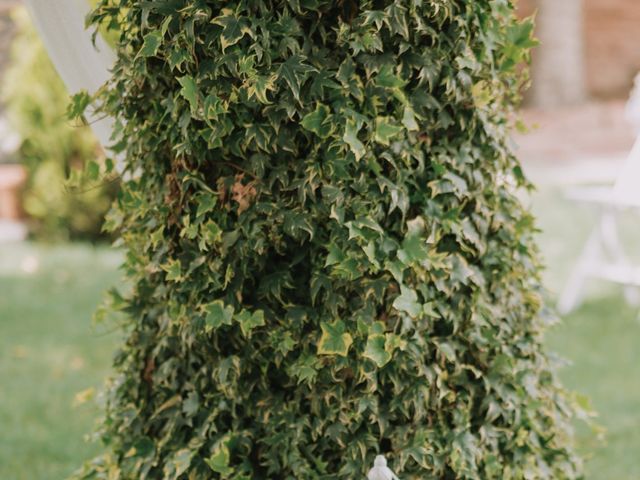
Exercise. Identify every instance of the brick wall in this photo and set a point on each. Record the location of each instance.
(611, 31)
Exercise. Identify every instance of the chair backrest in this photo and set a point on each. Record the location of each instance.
(626, 189)
(632, 109)
(81, 64)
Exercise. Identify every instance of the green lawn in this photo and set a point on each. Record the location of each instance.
(601, 339)
(50, 351)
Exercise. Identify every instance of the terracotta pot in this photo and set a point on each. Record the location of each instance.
(12, 179)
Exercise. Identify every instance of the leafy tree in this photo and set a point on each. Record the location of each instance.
(52, 147)
(328, 257)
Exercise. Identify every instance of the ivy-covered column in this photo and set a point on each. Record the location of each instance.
(326, 255)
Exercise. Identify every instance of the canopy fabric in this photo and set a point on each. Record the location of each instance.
(81, 64)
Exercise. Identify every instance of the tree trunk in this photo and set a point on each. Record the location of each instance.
(558, 63)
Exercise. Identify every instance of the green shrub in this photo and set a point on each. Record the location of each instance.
(327, 254)
(52, 148)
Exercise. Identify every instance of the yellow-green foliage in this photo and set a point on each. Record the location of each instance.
(52, 146)
(327, 255)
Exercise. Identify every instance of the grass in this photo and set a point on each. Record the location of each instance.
(600, 339)
(49, 351)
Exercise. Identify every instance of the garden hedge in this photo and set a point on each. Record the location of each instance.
(327, 256)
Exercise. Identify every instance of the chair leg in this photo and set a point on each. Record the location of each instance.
(591, 253)
(615, 250)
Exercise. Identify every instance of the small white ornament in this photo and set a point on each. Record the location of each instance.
(380, 471)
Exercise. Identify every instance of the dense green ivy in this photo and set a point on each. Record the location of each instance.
(327, 253)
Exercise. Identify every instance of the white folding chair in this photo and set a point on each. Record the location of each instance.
(603, 256)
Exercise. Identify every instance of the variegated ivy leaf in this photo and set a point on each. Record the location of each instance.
(234, 28)
(408, 302)
(250, 320)
(219, 461)
(151, 44)
(334, 340)
(375, 350)
(189, 91)
(294, 71)
(319, 121)
(380, 345)
(305, 369)
(213, 107)
(386, 129)
(174, 270)
(206, 202)
(387, 78)
(351, 138)
(218, 314)
(178, 464)
(409, 119)
(259, 85)
(414, 250)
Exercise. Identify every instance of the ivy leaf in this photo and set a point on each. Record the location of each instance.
(409, 119)
(397, 19)
(92, 170)
(386, 78)
(407, 302)
(393, 342)
(386, 130)
(178, 464)
(334, 339)
(219, 461)
(370, 251)
(521, 35)
(177, 57)
(151, 44)
(259, 86)
(143, 447)
(78, 104)
(234, 29)
(248, 321)
(206, 202)
(296, 222)
(414, 246)
(305, 369)
(318, 121)
(395, 268)
(191, 405)
(218, 314)
(295, 72)
(351, 138)
(375, 350)
(211, 233)
(174, 270)
(447, 350)
(335, 255)
(414, 250)
(213, 107)
(189, 91)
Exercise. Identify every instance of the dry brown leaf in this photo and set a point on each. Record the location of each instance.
(243, 194)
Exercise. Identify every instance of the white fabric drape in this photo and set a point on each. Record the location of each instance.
(82, 66)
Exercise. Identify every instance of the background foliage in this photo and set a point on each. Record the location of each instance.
(53, 147)
(327, 254)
